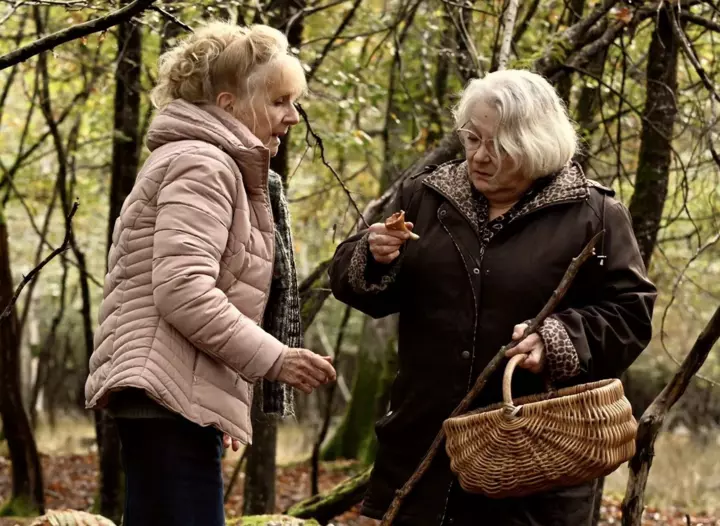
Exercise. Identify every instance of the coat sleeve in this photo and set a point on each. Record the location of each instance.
(611, 332)
(358, 280)
(194, 216)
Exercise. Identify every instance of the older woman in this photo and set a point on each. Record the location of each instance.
(201, 296)
(497, 232)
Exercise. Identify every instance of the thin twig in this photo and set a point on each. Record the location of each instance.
(11, 11)
(309, 11)
(328, 45)
(319, 143)
(549, 307)
(469, 7)
(687, 48)
(689, 262)
(26, 279)
(175, 20)
(235, 473)
(315, 459)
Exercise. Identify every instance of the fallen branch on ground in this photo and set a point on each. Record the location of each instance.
(326, 506)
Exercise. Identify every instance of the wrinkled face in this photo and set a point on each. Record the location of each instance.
(491, 170)
(268, 119)
(269, 110)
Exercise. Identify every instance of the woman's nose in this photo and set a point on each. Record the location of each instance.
(292, 117)
(482, 154)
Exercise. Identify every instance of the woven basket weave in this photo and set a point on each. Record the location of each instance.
(540, 442)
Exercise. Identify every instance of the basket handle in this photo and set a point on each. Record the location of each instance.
(507, 382)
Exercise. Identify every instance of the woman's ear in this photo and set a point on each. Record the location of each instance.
(225, 101)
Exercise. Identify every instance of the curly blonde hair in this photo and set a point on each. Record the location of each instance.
(223, 57)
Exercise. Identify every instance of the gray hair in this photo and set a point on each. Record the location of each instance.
(534, 127)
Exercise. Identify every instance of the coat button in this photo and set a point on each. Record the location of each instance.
(476, 271)
(465, 354)
(443, 213)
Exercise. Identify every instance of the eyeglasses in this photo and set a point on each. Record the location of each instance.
(472, 142)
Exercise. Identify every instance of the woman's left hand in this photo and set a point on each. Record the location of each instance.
(227, 441)
(532, 346)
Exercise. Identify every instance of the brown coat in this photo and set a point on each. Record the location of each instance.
(189, 273)
(459, 291)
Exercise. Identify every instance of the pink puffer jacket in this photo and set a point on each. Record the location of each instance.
(189, 274)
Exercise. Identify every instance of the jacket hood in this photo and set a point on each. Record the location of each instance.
(182, 121)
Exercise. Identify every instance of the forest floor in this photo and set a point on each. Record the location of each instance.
(684, 486)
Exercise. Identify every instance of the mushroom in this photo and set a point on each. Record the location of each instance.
(397, 222)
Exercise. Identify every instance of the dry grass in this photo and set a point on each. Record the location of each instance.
(685, 474)
(75, 435)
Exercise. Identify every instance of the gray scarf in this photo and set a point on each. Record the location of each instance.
(282, 314)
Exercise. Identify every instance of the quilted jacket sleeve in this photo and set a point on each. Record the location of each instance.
(194, 214)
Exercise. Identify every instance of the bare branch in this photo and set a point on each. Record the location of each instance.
(62, 248)
(66, 35)
(712, 242)
(653, 418)
(10, 11)
(700, 21)
(468, 6)
(329, 44)
(309, 11)
(690, 52)
(175, 20)
(319, 143)
(315, 459)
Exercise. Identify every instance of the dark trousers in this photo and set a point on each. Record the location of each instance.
(173, 472)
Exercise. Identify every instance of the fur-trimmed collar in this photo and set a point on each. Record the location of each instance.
(451, 180)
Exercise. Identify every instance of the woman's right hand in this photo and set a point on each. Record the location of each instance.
(306, 370)
(385, 244)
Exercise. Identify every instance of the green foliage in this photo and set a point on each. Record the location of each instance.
(350, 106)
(18, 507)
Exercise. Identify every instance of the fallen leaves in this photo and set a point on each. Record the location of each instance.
(71, 482)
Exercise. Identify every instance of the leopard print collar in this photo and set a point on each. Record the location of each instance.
(451, 180)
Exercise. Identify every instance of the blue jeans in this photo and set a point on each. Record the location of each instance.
(173, 472)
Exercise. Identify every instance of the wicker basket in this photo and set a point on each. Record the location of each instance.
(541, 442)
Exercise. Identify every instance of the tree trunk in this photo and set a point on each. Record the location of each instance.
(574, 14)
(440, 82)
(27, 497)
(374, 372)
(259, 493)
(651, 182)
(125, 155)
(588, 106)
(259, 496)
(125, 159)
(652, 421)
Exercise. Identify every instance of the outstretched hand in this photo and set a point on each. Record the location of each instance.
(305, 370)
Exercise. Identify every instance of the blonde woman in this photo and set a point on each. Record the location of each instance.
(497, 231)
(201, 294)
